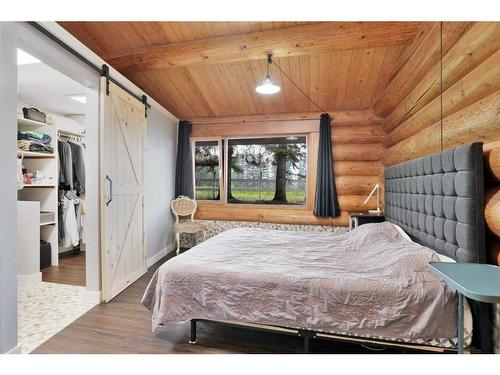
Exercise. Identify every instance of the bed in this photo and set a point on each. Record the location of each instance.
(371, 285)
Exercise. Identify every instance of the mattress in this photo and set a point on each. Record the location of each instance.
(371, 282)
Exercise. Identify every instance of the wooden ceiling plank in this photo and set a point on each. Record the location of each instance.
(287, 87)
(376, 67)
(305, 82)
(353, 79)
(295, 74)
(315, 79)
(324, 65)
(341, 88)
(298, 40)
(247, 91)
(333, 78)
(360, 91)
(385, 73)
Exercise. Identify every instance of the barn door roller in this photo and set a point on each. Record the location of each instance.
(103, 71)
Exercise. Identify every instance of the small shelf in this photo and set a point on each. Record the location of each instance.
(33, 186)
(47, 223)
(35, 155)
(21, 121)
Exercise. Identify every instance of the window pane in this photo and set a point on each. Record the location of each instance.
(206, 156)
(267, 170)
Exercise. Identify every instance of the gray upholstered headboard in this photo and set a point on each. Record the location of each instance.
(438, 200)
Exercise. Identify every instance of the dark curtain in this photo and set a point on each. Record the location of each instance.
(326, 200)
(184, 166)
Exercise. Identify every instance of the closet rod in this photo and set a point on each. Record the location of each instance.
(79, 56)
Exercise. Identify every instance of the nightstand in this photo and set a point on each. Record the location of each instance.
(359, 218)
(479, 282)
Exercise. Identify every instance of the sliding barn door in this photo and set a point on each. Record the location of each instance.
(123, 245)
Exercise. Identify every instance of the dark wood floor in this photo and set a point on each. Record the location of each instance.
(71, 270)
(124, 326)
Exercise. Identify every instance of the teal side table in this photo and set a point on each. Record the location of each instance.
(479, 282)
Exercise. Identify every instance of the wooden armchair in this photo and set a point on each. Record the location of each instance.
(181, 207)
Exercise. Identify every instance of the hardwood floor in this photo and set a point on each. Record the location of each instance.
(124, 326)
(71, 270)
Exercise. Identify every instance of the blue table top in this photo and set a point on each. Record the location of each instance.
(480, 282)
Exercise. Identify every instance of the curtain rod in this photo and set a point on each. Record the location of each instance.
(79, 56)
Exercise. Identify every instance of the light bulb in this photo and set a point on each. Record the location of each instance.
(268, 87)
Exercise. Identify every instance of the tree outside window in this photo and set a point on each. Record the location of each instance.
(267, 170)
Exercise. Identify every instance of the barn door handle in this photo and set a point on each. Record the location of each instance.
(110, 190)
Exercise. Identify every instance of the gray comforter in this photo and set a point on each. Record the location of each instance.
(369, 282)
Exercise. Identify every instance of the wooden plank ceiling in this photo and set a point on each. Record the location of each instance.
(211, 69)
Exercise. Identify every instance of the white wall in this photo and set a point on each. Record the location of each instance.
(8, 190)
(159, 182)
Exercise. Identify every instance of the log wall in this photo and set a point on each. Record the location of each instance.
(357, 152)
(469, 106)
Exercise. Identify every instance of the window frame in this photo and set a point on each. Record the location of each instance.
(220, 142)
(304, 205)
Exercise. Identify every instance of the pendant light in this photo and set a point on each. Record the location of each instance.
(268, 87)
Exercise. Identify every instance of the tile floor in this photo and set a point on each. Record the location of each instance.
(45, 309)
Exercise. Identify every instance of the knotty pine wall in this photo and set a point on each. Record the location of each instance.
(470, 108)
(357, 151)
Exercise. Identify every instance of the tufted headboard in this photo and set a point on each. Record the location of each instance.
(439, 201)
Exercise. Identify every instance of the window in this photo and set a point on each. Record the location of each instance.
(207, 170)
(267, 170)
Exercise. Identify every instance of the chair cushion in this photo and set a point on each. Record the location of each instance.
(189, 227)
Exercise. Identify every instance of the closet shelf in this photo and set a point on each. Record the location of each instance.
(34, 155)
(39, 186)
(31, 123)
(47, 223)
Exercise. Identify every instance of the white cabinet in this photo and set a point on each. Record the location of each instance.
(28, 242)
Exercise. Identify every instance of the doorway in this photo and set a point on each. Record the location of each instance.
(52, 202)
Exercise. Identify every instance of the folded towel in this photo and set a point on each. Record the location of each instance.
(34, 136)
(34, 146)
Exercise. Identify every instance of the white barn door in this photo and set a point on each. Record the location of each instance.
(123, 244)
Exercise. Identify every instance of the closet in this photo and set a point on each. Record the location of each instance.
(51, 191)
(51, 176)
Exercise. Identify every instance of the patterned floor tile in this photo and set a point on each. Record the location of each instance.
(46, 308)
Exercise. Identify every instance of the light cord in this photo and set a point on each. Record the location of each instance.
(298, 88)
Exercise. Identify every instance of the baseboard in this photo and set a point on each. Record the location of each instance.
(160, 254)
(93, 297)
(14, 350)
(31, 279)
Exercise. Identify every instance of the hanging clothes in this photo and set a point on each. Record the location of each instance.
(78, 163)
(66, 163)
(71, 188)
(70, 226)
(82, 221)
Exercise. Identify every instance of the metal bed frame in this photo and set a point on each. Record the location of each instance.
(308, 335)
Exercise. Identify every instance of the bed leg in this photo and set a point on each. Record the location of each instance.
(307, 335)
(307, 345)
(192, 338)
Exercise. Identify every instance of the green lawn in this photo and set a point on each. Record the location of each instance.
(296, 197)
